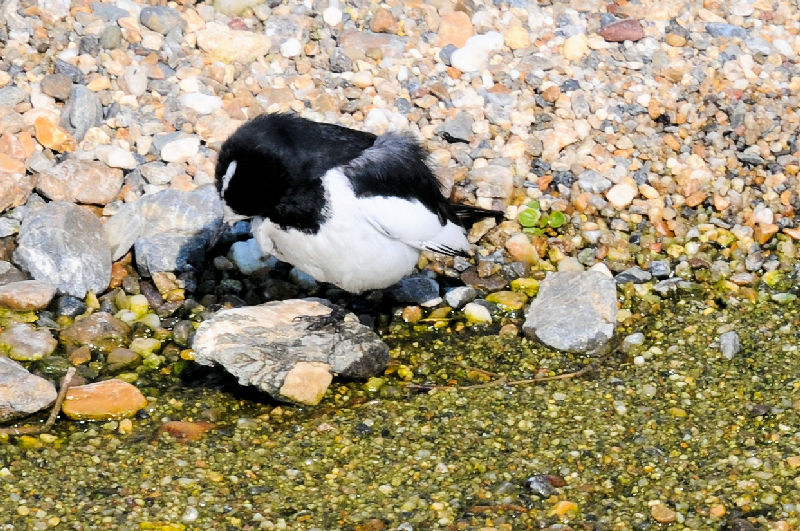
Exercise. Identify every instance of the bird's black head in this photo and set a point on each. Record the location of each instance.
(249, 180)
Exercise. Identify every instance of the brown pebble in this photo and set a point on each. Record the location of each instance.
(184, 430)
(383, 21)
(663, 514)
(118, 272)
(624, 30)
(455, 28)
(106, 400)
(81, 355)
(412, 314)
(551, 93)
(673, 39)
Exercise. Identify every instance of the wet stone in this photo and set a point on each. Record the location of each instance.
(63, 244)
(730, 344)
(574, 311)
(459, 296)
(106, 400)
(69, 306)
(269, 347)
(22, 393)
(660, 268)
(634, 274)
(101, 330)
(23, 342)
(26, 295)
(417, 289)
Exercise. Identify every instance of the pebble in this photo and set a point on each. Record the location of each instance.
(621, 195)
(22, 393)
(291, 48)
(69, 306)
(455, 28)
(723, 29)
(104, 400)
(161, 19)
(58, 86)
(180, 149)
(53, 137)
(416, 289)
(624, 30)
(575, 47)
(248, 257)
(116, 157)
(201, 104)
(81, 112)
(730, 344)
(26, 295)
(663, 514)
(459, 296)
(111, 38)
(477, 313)
(23, 342)
(660, 268)
(634, 274)
(225, 44)
(474, 55)
(101, 330)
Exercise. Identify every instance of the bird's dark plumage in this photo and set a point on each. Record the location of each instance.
(346, 206)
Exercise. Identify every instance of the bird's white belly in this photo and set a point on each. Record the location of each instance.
(347, 252)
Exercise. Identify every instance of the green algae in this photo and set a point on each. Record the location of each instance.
(670, 422)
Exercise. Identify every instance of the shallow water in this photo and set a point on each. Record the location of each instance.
(671, 421)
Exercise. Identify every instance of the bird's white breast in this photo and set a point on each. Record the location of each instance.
(364, 243)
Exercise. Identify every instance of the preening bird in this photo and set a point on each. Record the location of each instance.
(345, 206)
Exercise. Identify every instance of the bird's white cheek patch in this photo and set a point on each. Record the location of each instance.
(226, 179)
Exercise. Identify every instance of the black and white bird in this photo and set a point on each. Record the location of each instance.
(345, 206)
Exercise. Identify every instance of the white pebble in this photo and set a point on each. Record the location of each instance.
(116, 157)
(201, 103)
(477, 313)
(291, 48)
(136, 79)
(180, 149)
(332, 16)
(474, 55)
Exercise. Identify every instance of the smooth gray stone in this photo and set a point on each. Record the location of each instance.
(575, 311)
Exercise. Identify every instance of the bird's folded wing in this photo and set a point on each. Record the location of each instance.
(413, 224)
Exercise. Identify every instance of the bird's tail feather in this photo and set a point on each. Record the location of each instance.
(469, 214)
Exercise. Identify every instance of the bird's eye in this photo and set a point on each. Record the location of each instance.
(226, 179)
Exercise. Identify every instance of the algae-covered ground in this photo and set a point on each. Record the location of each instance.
(668, 431)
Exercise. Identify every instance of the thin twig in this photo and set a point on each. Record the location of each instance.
(41, 428)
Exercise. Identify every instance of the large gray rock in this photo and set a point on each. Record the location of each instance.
(267, 346)
(169, 229)
(574, 311)
(62, 244)
(22, 393)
